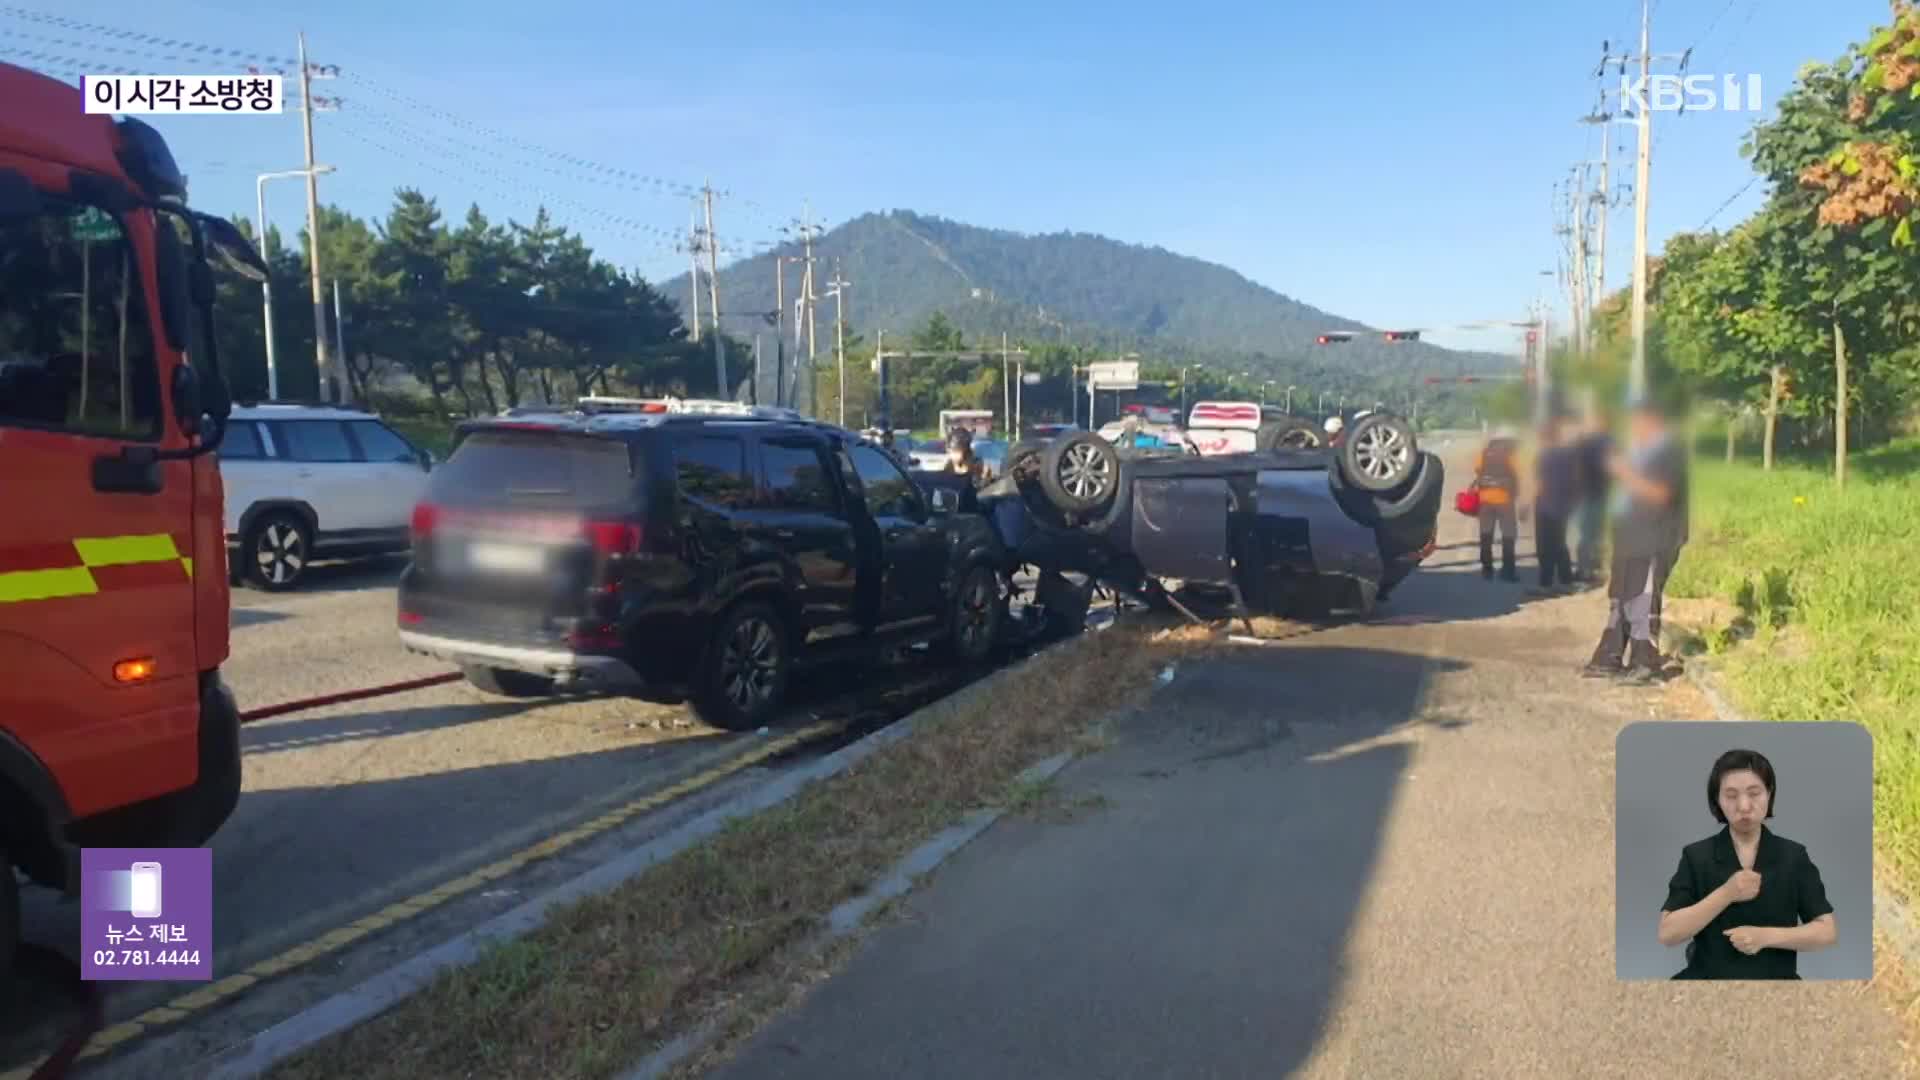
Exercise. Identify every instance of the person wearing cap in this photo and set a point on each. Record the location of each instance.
(960, 456)
(1496, 475)
(1649, 511)
(1336, 430)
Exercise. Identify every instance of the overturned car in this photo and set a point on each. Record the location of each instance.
(1287, 529)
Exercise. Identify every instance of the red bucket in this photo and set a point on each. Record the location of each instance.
(1468, 502)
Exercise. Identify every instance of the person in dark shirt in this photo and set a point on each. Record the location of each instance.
(1592, 450)
(1649, 509)
(1555, 498)
(1748, 902)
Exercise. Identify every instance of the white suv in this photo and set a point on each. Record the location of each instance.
(310, 482)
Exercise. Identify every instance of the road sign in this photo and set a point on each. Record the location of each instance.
(93, 225)
(1115, 375)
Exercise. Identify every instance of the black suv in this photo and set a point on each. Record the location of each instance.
(682, 555)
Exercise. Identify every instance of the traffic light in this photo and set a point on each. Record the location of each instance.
(1403, 335)
(1335, 338)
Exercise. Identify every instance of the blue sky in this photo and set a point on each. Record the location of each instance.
(1390, 161)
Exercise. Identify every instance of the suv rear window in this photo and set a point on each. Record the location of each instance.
(536, 468)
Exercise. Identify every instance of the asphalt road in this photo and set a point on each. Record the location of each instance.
(1381, 849)
(352, 807)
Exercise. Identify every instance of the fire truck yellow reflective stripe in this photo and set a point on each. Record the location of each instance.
(122, 550)
(188, 564)
(19, 585)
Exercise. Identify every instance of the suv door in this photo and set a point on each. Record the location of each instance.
(396, 477)
(95, 568)
(710, 469)
(801, 512)
(326, 474)
(912, 550)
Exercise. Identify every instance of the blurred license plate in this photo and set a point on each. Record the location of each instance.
(510, 558)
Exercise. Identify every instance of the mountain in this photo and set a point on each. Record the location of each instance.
(1062, 287)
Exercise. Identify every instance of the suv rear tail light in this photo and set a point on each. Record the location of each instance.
(614, 537)
(425, 517)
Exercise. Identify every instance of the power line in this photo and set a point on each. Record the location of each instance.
(1755, 178)
(187, 51)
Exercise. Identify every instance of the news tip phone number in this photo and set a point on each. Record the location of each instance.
(146, 957)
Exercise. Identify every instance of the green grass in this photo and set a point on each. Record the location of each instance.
(1828, 588)
(424, 432)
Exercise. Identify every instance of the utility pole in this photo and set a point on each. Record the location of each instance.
(322, 369)
(779, 328)
(340, 332)
(1006, 378)
(693, 274)
(755, 391)
(840, 333)
(713, 293)
(1603, 199)
(1583, 301)
(1643, 166)
(807, 297)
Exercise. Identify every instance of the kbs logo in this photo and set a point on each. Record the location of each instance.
(1692, 93)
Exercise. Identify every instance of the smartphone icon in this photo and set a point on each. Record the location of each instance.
(146, 890)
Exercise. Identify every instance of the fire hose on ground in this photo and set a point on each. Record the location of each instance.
(92, 995)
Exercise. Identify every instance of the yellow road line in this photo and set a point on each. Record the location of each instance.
(182, 1007)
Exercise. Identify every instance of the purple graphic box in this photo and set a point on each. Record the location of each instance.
(146, 914)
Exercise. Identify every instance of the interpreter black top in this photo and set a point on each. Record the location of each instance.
(1791, 893)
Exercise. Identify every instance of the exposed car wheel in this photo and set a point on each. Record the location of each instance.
(506, 682)
(1379, 453)
(745, 676)
(1081, 473)
(1291, 433)
(276, 550)
(9, 924)
(978, 616)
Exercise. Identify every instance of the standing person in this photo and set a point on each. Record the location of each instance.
(1649, 511)
(1496, 473)
(1555, 497)
(1336, 429)
(960, 456)
(1592, 450)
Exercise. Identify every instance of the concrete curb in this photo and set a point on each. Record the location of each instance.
(849, 916)
(1895, 918)
(358, 1004)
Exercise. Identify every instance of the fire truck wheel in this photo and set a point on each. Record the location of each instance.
(276, 550)
(9, 923)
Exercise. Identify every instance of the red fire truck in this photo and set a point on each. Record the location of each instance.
(115, 727)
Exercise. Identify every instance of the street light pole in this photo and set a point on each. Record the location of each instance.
(266, 287)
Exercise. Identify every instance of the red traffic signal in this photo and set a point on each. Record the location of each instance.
(1533, 336)
(1335, 337)
(1403, 335)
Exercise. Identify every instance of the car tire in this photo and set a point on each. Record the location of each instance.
(276, 550)
(1379, 453)
(976, 621)
(1290, 433)
(743, 678)
(1081, 473)
(506, 682)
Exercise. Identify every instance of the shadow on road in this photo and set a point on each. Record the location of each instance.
(1193, 920)
(245, 617)
(295, 733)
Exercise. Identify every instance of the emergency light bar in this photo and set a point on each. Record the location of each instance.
(686, 406)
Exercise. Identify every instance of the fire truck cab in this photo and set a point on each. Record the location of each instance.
(115, 727)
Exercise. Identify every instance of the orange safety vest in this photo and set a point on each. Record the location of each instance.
(1495, 474)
